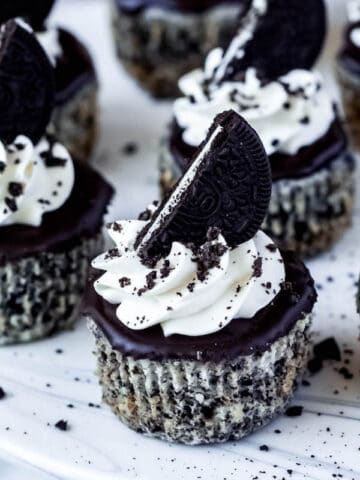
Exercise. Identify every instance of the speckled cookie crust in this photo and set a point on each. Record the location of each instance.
(195, 402)
(75, 123)
(39, 295)
(350, 91)
(305, 215)
(157, 47)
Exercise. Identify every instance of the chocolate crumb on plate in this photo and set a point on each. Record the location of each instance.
(328, 349)
(264, 448)
(2, 393)
(295, 411)
(62, 425)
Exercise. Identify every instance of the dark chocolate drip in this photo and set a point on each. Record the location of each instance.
(306, 161)
(186, 6)
(74, 69)
(349, 56)
(240, 337)
(81, 215)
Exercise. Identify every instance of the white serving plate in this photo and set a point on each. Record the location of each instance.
(41, 383)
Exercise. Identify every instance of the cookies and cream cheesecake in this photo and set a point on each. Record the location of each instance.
(201, 322)
(311, 162)
(51, 206)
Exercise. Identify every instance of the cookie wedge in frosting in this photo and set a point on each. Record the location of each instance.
(51, 206)
(311, 161)
(75, 116)
(191, 299)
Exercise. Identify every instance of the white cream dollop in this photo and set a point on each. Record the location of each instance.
(33, 180)
(288, 114)
(246, 279)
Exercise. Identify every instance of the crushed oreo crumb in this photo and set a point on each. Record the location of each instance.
(15, 189)
(116, 227)
(271, 247)
(209, 255)
(257, 267)
(295, 411)
(130, 148)
(11, 204)
(327, 350)
(62, 425)
(124, 282)
(2, 393)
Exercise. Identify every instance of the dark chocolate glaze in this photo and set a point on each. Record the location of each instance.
(81, 215)
(306, 161)
(240, 337)
(349, 56)
(74, 69)
(185, 6)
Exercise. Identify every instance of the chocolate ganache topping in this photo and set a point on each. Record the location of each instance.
(169, 291)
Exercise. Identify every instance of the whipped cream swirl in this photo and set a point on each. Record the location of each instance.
(288, 114)
(178, 293)
(33, 180)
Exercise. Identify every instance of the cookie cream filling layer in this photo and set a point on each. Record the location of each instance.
(190, 292)
(34, 180)
(288, 114)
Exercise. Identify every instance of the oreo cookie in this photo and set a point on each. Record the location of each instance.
(26, 84)
(288, 35)
(35, 12)
(227, 185)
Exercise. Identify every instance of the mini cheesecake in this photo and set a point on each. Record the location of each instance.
(75, 115)
(311, 162)
(158, 41)
(51, 207)
(201, 323)
(348, 69)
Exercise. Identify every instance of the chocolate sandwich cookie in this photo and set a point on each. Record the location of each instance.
(348, 69)
(75, 115)
(311, 162)
(51, 207)
(201, 323)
